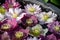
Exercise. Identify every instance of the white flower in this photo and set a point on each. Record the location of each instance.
(14, 13)
(46, 17)
(1, 17)
(37, 30)
(32, 9)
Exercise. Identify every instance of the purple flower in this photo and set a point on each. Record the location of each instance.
(52, 37)
(54, 27)
(29, 20)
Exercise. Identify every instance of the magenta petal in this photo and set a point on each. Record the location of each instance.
(13, 22)
(6, 5)
(34, 19)
(16, 5)
(26, 31)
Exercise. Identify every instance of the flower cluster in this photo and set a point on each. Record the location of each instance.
(28, 23)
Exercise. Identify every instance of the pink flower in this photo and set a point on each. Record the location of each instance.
(20, 34)
(8, 25)
(12, 22)
(11, 3)
(26, 31)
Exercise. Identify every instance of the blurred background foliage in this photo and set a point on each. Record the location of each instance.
(54, 2)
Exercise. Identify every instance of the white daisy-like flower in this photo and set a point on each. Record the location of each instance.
(15, 13)
(46, 17)
(32, 9)
(37, 30)
(1, 17)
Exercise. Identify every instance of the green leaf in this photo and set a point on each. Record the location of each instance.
(45, 1)
(56, 2)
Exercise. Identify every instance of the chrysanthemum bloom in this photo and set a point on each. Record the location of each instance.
(32, 9)
(15, 13)
(29, 20)
(32, 20)
(20, 34)
(8, 25)
(5, 36)
(37, 30)
(10, 4)
(46, 17)
(54, 27)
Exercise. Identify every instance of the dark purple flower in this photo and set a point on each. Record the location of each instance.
(29, 20)
(54, 27)
(51, 37)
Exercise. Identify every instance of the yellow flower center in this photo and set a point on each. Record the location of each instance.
(57, 28)
(14, 15)
(5, 26)
(19, 34)
(29, 21)
(2, 10)
(36, 31)
(45, 17)
(32, 9)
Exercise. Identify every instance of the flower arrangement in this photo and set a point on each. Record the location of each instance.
(30, 23)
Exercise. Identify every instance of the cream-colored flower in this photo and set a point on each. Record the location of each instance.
(46, 17)
(15, 13)
(37, 30)
(32, 9)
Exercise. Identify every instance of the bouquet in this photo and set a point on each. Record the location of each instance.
(28, 22)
